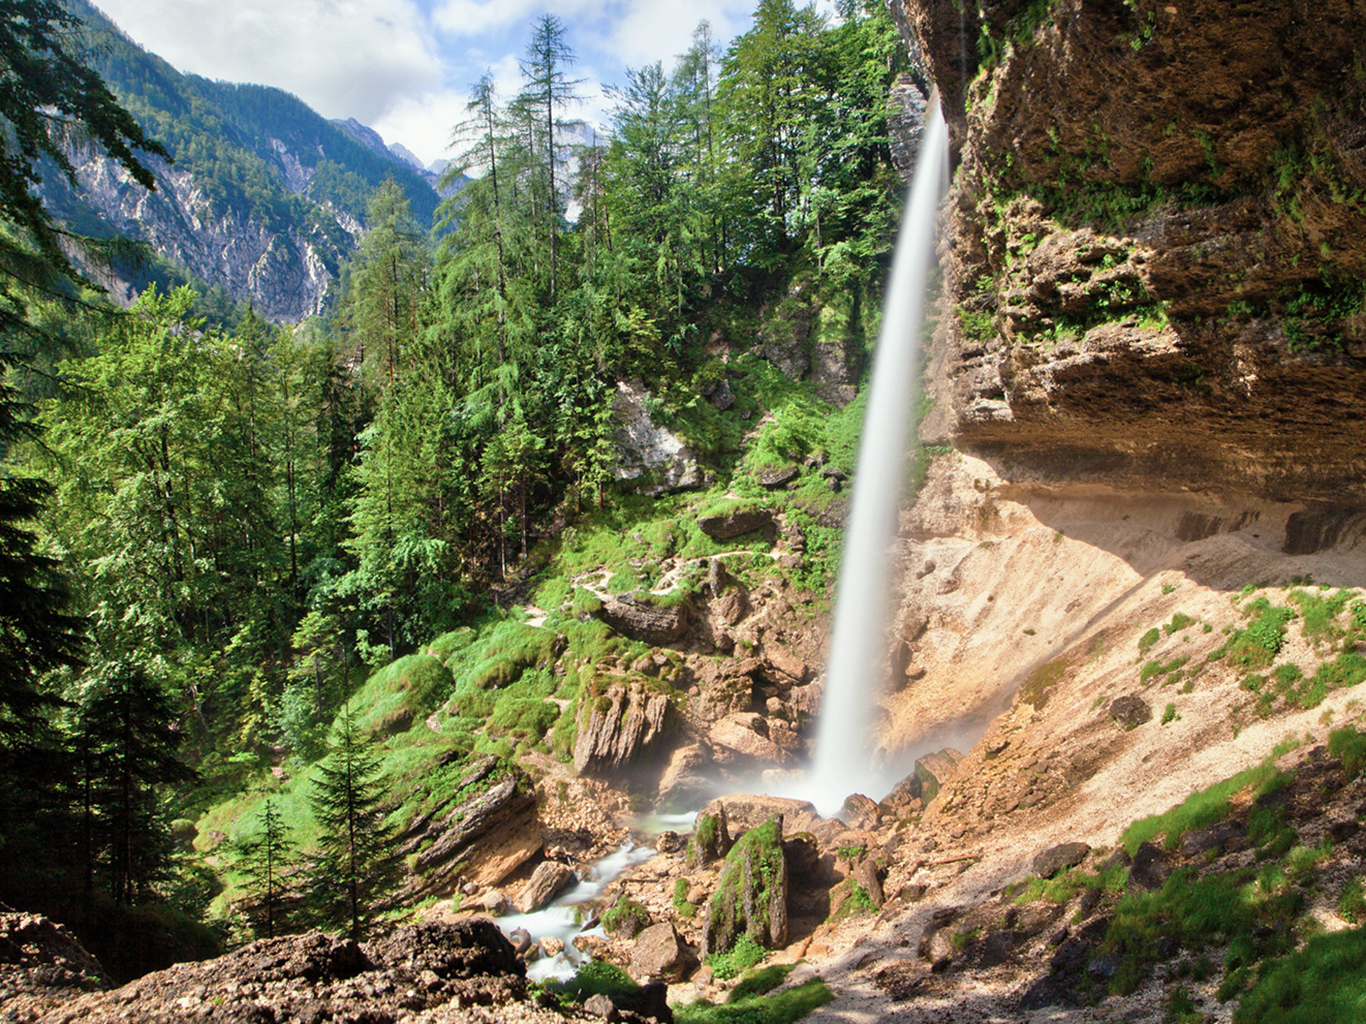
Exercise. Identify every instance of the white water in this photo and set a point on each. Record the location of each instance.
(563, 917)
(844, 761)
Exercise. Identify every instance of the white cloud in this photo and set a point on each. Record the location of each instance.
(345, 58)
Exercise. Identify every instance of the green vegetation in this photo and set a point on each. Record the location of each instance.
(625, 915)
(759, 1008)
(593, 978)
(1325, 980)
(1201, 809)
(754, 875)
(739, 958)
(681, 905)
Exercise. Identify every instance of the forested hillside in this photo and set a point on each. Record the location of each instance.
(264, 198)
(254, 520)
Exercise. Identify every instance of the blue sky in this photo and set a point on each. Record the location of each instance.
(404, 67)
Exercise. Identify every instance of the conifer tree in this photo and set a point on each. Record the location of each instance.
(265, 856)
(352, 862)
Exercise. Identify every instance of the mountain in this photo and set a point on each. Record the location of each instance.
(264, 197)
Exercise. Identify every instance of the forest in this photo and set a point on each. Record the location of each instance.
(212, 534)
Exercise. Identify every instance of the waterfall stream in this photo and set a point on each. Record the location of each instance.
(845, 745)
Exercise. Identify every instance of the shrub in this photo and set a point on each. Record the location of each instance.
(740, 957)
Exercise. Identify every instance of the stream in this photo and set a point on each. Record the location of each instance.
(563, 917)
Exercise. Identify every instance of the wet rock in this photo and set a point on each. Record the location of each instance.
(1049, 862)
(745, 811)
(684, 779)
(751, 894)
(551, 946)
(620, 727)
(1130, 710)
(520, 939)
(660, 954)
(547, 881)
(734, 524)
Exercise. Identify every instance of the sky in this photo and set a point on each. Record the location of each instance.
(405, 67)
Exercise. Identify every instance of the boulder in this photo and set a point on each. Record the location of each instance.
(645, 622)
(710, 838)
(860, 812)
(751, 894)
(1149, 868)
(778, 476)
(488, 835)
(1049, 862)
(732, 606)
(744, 736)
(803, 854)
(602, 1006)
(551, 946)
(547, 881)
(745, 811)
(1130, 710)
(786, 662)
(652, 458)
(684, 780)
(621, 727)
(660, 954)
(729, 525)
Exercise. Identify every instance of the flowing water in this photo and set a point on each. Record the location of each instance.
(564, 918)
(845, 754)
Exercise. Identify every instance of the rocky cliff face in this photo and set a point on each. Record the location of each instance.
(285, 273)
(1155, 241)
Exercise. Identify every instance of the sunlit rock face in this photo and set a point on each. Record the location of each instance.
(1154, 243)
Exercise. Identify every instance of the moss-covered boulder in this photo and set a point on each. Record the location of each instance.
(751, 896)
(710, 839)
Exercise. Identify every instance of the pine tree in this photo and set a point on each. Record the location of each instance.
(265, 856)
(352, 862)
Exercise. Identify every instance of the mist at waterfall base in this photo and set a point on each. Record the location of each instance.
(859, 658)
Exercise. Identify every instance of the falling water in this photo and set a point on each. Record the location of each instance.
(858, 655)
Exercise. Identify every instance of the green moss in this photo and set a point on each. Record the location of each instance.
(621, 914)
(754, 874)
(593, 978)
(1148, 639)
(773, 1008)
(1041, 681)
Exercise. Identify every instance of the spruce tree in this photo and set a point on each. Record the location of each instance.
(352, 862)
(265, 857)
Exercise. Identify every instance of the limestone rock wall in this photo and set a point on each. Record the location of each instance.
(1155, 242)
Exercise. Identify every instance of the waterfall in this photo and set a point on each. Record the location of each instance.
(858, 657)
